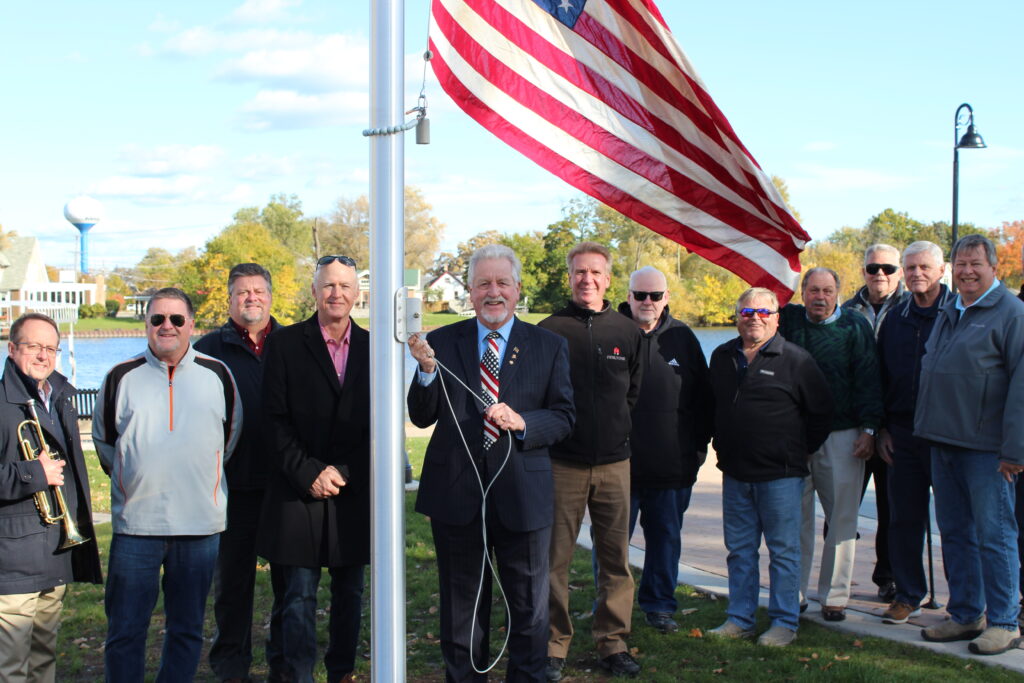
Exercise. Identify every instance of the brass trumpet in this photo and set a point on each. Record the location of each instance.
(42, 498)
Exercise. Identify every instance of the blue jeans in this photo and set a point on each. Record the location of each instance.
(133, 585)
(910, 481)
(293, 643)
(660, 512)
(974, 508)
(771, 508)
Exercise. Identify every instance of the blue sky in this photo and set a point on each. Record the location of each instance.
(174, 115)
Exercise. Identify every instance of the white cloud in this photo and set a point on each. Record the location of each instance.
(258, 11)
(329, 63)
(150, 190)
(290, 109)
(203, 40)
(169, 160)
(262, 167)
(239, 194)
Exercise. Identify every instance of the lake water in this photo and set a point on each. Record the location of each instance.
(94, 357)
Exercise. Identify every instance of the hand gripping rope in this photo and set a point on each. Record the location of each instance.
(484, 490)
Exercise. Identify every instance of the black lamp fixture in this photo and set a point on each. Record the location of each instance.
(971, 139)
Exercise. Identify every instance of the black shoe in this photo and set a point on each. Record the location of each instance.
(662, 621)
(620, 664)
(554, 670)
(887, 591)
(803, 608)
(833, 613)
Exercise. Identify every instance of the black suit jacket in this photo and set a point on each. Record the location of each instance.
(313, 422)
(534, 381)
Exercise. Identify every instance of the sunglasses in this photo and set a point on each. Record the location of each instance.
(762, 313)
(343, 260)
(887, 268)
(157, 319)
(642, 296)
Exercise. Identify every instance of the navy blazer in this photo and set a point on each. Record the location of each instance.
(534, 381)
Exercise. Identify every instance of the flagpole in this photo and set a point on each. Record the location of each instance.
(387, 248)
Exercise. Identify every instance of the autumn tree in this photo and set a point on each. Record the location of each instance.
(1010, 250)
(348, 230)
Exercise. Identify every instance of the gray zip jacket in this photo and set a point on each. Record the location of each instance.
(972, 378)
(163, 434)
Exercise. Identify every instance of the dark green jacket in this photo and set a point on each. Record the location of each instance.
(846, 353)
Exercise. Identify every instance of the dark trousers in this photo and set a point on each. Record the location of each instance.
(1019, 514)
(521, 559)
(910, 480)
(234, 580)
(877, 468)
(293, 644)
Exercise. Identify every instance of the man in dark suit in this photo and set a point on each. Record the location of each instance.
(240, 343)
(35, 564)
(521, 403)
(316, 398)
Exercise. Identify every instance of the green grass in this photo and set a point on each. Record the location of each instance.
(818, 654)
(105, 324)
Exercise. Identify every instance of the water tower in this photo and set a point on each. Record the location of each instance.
(83, 213)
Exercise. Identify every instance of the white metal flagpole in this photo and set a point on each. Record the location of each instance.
(387, 423)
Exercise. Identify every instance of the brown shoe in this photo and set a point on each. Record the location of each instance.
(900, 613)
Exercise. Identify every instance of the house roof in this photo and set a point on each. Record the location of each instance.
(14, 262)
(439, 277)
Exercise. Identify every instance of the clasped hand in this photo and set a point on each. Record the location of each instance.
(328, 483)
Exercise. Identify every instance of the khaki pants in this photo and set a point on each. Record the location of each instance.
(605, 490)
(837, 476)
(28, 635)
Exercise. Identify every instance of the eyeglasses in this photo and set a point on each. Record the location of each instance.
(642, 296)
(343, 260)
(157, 319)
(887, 268)
(762, 313)
(34, 348)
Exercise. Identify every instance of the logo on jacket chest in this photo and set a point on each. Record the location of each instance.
(616, 354)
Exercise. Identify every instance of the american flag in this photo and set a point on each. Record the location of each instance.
(599, 93)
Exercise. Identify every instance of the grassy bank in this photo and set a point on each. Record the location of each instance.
(818, 654)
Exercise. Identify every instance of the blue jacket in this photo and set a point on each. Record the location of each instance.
(901, 340)
(972, 378)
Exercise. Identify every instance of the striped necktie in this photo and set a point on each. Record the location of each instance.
(489, 384)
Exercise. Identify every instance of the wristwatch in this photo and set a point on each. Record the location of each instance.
(870, 431)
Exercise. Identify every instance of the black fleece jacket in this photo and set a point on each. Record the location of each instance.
(604, 364)
(673, 415)
(768, 424)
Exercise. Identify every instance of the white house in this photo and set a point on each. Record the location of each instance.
(25, 284)
(450, 289)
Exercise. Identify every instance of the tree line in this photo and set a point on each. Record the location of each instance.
(287, 242)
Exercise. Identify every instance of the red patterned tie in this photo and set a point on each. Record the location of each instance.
(489, 384)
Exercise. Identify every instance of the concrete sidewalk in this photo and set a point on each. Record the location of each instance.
(703, 567)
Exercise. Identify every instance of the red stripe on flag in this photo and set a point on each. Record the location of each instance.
(585, 181)
(654, 170)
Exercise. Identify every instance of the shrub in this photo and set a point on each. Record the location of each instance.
(112, 307)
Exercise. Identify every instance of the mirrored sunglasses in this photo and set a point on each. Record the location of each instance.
(762, 313)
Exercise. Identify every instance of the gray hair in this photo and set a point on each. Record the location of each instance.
(924, 246)
(495, 251)
(172, 293)
(971, 242)
(249, 270)
(646, 270)
(815, 271)
(870, 251)
(757, 291)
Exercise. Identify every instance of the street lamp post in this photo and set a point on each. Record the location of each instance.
(971, 139)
